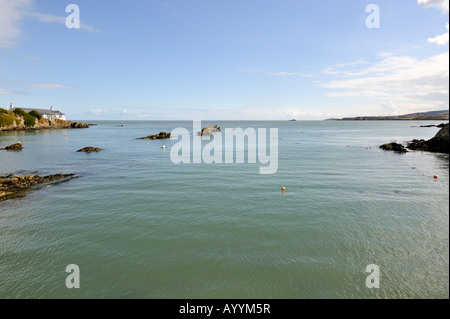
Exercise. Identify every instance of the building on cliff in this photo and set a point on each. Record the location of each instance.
(46, 114)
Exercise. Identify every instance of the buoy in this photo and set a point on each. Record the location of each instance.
(283, 188)
(64, 135)
(436, 177)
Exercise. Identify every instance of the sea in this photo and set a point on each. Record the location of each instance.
(353, 222)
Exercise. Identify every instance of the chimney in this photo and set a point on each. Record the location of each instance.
(51, 108)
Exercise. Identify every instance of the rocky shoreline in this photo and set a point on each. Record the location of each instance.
(438, 144)
(16, 186)
(51, 124)
(18, 120)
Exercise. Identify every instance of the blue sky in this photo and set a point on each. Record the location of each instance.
(203, 59)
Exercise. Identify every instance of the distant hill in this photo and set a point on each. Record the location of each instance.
(433, 115)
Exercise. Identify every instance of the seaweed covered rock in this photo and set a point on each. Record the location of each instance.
(399, 148)
(417, 145)
(12, 186)
(90, 149)
(15, 147)
(162, 135)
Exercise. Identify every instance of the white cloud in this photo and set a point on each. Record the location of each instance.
(3, 91)
(51, 18)
(401, 80)
(442, 5)
(282, 73)
(49, 86)
(278, 73)
(97, 112)
(12, 13)
(440, 39)
(336, 69)
(134, 114)
(392, 108)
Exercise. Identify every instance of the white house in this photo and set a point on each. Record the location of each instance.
(46, 114)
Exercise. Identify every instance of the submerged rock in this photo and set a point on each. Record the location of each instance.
(90, 149)
(14, 147)
(12, 186)
(162, 135)
(399, 148)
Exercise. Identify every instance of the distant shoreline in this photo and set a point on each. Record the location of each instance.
(425, 116)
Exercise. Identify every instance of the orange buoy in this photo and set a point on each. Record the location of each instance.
(436, 177)
(283, 188)
(64, 135)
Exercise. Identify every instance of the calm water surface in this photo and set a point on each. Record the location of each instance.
(140, 226)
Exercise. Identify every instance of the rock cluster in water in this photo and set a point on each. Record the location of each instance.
(11, 186)
(161, 136)
(439, 143)
(399, 148)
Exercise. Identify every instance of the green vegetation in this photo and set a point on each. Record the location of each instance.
(35, 114)
(20, 112)
(6, 119)
(9, 118)
(30, 120)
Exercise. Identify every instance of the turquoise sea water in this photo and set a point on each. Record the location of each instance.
(140, 226)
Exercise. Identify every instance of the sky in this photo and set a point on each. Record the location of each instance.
(225, 59)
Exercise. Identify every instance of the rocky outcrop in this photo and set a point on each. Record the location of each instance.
(432, 125)
(13, 186)
(399, 148)
(79, 125)
(10, 121)
(161, 136)
(209, 130)
(438, 144)
(15, 147)
(90, 149)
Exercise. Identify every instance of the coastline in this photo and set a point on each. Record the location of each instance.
(50, 124)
